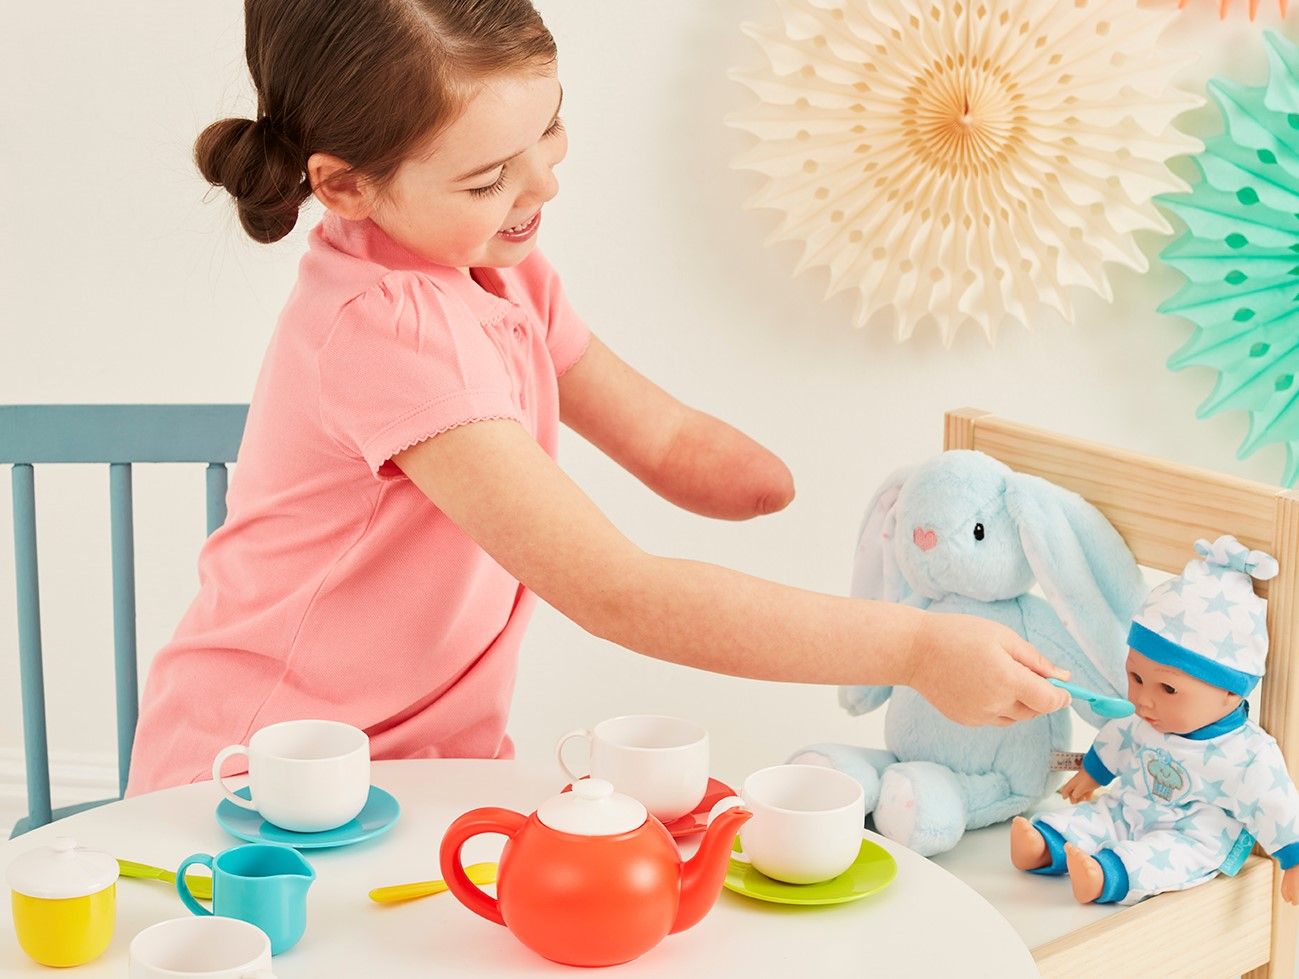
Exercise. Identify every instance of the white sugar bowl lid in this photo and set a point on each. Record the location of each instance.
(61, 870)
(592, 808)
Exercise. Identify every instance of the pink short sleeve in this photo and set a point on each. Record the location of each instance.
(403, 363)
(566, 335)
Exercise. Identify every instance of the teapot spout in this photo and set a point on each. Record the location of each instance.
(702, 874)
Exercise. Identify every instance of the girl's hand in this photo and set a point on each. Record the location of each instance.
(1290, 885)
(977, 671)
(1079, 788)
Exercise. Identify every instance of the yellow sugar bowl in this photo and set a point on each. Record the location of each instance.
(64, 902)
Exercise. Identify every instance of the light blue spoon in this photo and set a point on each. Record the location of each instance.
(1105, 706)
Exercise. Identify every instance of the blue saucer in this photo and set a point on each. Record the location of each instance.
(380, 812)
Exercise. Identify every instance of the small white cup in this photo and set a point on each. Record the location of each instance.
(304, 776)
(201, 948)
(807, 822)
(660, 761)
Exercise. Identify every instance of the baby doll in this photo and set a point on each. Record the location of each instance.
(1195, 781)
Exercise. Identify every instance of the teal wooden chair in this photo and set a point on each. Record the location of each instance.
(118, 436)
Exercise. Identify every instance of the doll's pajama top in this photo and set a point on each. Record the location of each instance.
(336, 589)
(1180, 803)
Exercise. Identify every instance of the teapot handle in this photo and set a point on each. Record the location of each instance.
(490, 820)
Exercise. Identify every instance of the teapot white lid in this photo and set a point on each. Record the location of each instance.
(592, 808)
(61, 870)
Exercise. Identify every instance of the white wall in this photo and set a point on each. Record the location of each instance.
(123, 284)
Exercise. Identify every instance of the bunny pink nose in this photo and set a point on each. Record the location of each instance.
(926, 540)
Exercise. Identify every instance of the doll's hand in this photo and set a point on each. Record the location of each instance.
(980, 672)
(1290, 885)
(1079, 788)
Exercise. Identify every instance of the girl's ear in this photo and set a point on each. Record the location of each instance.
(336, 185)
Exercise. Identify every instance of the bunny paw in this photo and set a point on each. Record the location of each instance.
(860, 763)
(921, 806)
(811, 758)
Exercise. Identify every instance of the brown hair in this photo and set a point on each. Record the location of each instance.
(367, 81)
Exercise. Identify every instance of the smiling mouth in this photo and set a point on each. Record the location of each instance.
(523, 229)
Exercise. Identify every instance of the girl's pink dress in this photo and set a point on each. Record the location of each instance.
(335, 589)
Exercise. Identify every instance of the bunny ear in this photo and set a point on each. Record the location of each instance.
(1086, 571)
(875, 572)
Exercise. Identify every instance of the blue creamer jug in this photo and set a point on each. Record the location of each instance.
(264, 884)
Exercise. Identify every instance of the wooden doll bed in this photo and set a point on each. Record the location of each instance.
(1230, 926)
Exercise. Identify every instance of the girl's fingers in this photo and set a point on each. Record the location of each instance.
(1026, 653)
(1039, 696)
(1019, 712)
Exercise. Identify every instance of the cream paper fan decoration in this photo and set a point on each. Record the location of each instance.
(965, 161)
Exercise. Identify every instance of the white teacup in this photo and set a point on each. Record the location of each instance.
(201, 948)
(304, 776)
(661, 761)
(807, 822)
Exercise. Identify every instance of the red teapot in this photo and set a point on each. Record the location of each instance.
(591, 878)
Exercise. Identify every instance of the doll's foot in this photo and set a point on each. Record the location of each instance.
(1028, 850)
(1085, 874)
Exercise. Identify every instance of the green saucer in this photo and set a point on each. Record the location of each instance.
(872, 871)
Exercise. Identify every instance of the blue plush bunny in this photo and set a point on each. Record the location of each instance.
(965, 533)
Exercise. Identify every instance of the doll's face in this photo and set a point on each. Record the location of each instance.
(1173, 702)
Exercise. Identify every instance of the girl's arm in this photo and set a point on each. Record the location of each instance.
(685, 456)
(497, 484)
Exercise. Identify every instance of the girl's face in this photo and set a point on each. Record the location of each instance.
(473, 196)
(1173, 702)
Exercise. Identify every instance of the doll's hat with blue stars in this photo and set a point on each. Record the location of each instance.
(1208, 622)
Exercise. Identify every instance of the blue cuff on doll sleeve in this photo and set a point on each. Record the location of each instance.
(1288, 855)
(1116, 884)
(1094, 767)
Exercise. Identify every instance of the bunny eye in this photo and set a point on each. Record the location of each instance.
(978, 531)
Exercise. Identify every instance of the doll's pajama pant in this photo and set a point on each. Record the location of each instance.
(1158, 859)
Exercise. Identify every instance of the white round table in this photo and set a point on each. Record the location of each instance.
(926, 923)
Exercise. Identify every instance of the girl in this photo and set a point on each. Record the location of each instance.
(397, 506)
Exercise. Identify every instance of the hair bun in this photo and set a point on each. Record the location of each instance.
(261, 169)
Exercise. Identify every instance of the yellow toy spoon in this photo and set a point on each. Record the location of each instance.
(200, 887)
(479, 873)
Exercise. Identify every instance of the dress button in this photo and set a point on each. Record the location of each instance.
(518, 332)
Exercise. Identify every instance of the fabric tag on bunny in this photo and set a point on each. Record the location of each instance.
(1066, 761)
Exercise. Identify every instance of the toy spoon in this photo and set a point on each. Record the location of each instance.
(200, 887)
(479, 873)
(1105, 706)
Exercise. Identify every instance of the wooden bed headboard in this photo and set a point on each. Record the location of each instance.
(1161, 508)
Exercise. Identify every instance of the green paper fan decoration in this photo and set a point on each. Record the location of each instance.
(1241, 257)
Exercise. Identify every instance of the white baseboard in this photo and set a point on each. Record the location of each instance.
(74, 777)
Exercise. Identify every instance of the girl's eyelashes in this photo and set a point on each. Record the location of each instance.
(1168, 689)
(556, 127)
(490, 189)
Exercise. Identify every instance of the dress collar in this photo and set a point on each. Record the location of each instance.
(1222, 725)
(485, 292)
